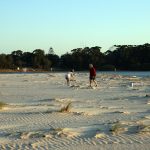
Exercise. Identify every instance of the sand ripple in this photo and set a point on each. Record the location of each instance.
(115, 115)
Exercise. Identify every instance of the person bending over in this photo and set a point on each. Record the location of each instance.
(70, 77)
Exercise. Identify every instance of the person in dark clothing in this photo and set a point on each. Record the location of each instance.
(92, 75)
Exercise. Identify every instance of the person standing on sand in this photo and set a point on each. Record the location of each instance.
(92, 75)
(69, 77)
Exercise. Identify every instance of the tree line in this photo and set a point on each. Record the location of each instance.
(123, 57)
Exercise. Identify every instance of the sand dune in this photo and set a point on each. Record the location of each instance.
(114, 115)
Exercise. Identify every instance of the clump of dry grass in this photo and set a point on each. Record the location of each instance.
(100, 135)
(57, 131)
(66, 108)
(147, 95)
(143, 128)
(117, 128)
(2, 104)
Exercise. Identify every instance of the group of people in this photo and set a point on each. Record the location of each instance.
(70, 76)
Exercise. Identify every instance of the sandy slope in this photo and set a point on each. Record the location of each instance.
(115, 115)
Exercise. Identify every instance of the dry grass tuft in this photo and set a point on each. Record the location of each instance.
(147, 95)
(117, 128)
(2, 104)
(57, 131)
(143, 128)
(66, 108)
(100, 135)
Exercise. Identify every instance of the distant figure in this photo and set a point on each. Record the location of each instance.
(70, 77)
(18, 68)
(24, 69)
(92, 75)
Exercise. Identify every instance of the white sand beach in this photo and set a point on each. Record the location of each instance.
(113, 116)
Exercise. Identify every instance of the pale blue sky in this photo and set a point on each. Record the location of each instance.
(67, 24)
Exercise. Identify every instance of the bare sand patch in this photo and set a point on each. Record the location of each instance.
(44, 113)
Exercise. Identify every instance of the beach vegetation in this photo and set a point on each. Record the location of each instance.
(2, 104)
(117, 128)
(66, 108)
(120, 57)
(143, 128)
